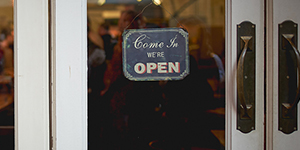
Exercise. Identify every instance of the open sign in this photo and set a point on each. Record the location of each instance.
(155, 54)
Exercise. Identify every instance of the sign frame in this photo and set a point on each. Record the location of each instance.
(167, 49)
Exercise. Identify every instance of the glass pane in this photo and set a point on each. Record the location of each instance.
(166, 115)
(6, 75)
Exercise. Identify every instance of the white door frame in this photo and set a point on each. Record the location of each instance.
(69, 74)
(31, 74)
(67, 84)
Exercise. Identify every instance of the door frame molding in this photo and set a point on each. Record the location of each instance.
(269, 75)
(228, 84)
(31, 77)
(69, 74)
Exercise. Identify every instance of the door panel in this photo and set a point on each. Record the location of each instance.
(237, 12)
(278, 12)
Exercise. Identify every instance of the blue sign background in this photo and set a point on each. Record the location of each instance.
(155, 46)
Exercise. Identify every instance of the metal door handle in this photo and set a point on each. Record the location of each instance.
(240, 78)
(246, 52)
(288, 77)
(289, 107)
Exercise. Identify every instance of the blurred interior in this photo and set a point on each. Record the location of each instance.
(163, 115)
(6, 76)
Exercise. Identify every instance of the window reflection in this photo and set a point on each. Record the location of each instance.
(164, 115)
(6, 75)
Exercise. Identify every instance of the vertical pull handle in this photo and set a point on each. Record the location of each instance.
(246, 77)
(290, 107)
(240, 78)
(288, 77)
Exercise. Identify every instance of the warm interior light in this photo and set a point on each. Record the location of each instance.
(139, 0)
(101, 2)
(157, 2)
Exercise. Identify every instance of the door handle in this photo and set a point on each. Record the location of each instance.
(290, 107)
(288, 77)
(240, 79)
(246, 77)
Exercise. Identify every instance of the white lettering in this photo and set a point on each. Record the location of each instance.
(175, 67)
(149, 54)
(137, 43)
(160, 54)
(140, 68)
(161, 67)
(145, 45)
(153, 45)
(173, 44)
(161, 45)
(150, 67)
(155, 54)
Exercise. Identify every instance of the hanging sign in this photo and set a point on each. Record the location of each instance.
(155, 54)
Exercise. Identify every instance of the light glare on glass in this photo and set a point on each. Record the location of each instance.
(157, 2)
(101, 2)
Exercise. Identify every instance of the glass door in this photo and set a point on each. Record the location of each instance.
(184, 114)
(253, 112)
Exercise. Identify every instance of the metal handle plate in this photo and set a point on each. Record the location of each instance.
(246, 77)
(288, 76)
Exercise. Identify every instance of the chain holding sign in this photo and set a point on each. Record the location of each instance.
(155, 54)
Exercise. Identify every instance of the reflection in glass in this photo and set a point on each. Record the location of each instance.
(6, 75)
(167, 115)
